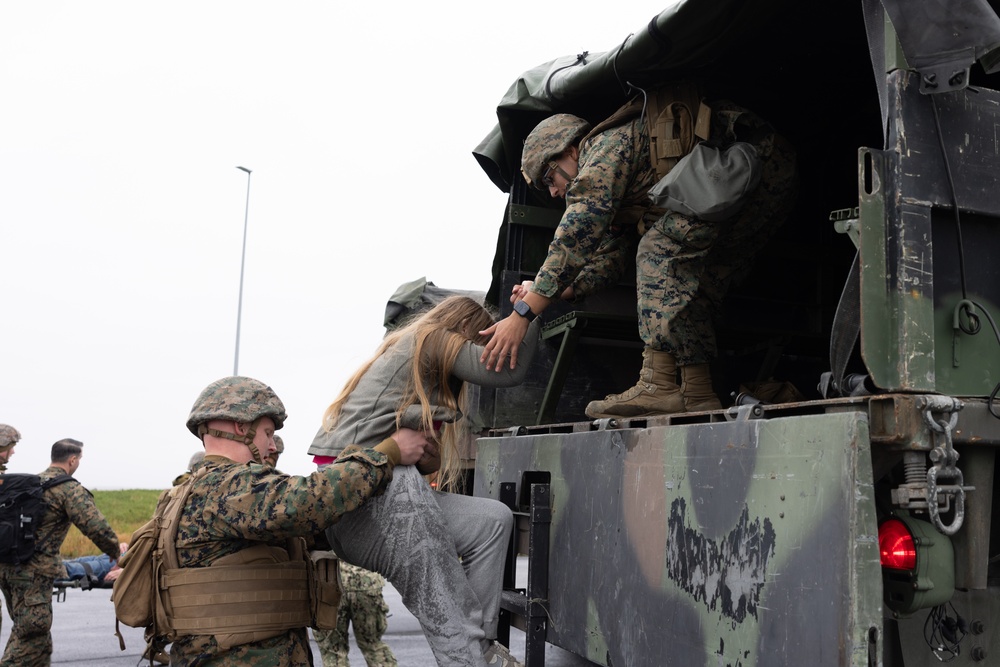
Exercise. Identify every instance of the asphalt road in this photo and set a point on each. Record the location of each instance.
(83, 632)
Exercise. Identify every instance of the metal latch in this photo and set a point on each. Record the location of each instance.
(945, 460)
(923, 489)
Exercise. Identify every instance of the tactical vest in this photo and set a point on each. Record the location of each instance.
(254, 594)
(676, 119)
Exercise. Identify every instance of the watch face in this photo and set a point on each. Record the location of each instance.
(524, 310)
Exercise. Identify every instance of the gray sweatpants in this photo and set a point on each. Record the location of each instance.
(443, 552)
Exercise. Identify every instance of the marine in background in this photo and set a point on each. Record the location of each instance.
(8, 440)
(362, 607)
(279, 449)
(195, 459)
(27, 588)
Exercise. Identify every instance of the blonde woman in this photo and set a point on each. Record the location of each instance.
(444, 552)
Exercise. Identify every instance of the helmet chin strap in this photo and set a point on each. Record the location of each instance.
(245, 439)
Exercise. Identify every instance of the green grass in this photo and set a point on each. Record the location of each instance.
(124, 510)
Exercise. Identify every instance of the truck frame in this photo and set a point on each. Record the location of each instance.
(768, 533)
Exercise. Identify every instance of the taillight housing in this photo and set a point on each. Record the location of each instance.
(918, 564)
(897, 550)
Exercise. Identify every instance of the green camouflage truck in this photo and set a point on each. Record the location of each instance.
(838, 510)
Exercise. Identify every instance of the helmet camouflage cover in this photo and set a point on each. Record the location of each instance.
(239, 399)
(8, 437)
(547, 141)
(279, 446)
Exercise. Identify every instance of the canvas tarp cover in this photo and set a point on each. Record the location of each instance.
(701, 37)
(416, 297)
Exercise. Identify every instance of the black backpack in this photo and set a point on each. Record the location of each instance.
(21, 510)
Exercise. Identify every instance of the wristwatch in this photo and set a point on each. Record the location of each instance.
(522, 309)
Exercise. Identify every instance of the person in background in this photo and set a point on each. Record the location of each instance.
(195, 459)
(362, 607)
(8, 439)
(27, 588)
(279, 448)
(97, 570)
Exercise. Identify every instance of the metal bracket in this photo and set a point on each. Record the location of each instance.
(605, 424)
(742, 413)
(941, 415)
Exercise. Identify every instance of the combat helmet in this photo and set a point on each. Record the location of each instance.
(547, 141)
(238, 399)
(8, 437)
(279, 447)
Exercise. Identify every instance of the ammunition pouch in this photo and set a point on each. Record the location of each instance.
(678, 119)
(326, 589)
(675, 119)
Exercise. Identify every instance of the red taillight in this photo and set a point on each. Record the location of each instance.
(896, 547)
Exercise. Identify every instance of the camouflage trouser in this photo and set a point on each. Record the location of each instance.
(28, 596)
(367, 613)
(684, 266)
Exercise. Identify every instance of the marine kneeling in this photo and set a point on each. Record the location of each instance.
(237, 591)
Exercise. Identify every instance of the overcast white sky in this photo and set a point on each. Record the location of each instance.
(121, 208)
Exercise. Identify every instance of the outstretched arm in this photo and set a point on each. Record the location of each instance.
(508, 334)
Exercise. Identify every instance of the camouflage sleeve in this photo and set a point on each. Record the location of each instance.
(270, 504)
(592, 201)
(610, 260)
(84, 514)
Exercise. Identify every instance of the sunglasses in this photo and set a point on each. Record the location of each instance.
(547, 177)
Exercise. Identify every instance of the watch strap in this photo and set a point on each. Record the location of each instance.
(524, 310)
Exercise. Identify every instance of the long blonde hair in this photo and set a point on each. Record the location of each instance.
(438, 336)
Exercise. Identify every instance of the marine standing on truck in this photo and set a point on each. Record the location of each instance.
(684, 265)
(238, 501)
(27, 588)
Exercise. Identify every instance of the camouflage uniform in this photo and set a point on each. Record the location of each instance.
(236, 506)
(8, 438)
(27, 588)
(684, 266)
(362, 606)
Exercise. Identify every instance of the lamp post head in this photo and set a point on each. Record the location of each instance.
(244, 169)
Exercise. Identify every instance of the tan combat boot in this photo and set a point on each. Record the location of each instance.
(656, 393)
(696, 389)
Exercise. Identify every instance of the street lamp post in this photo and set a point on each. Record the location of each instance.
(243, 260)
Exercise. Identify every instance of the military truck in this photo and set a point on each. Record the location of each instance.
(838, 509)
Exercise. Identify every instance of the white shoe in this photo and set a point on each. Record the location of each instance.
(497, 655)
